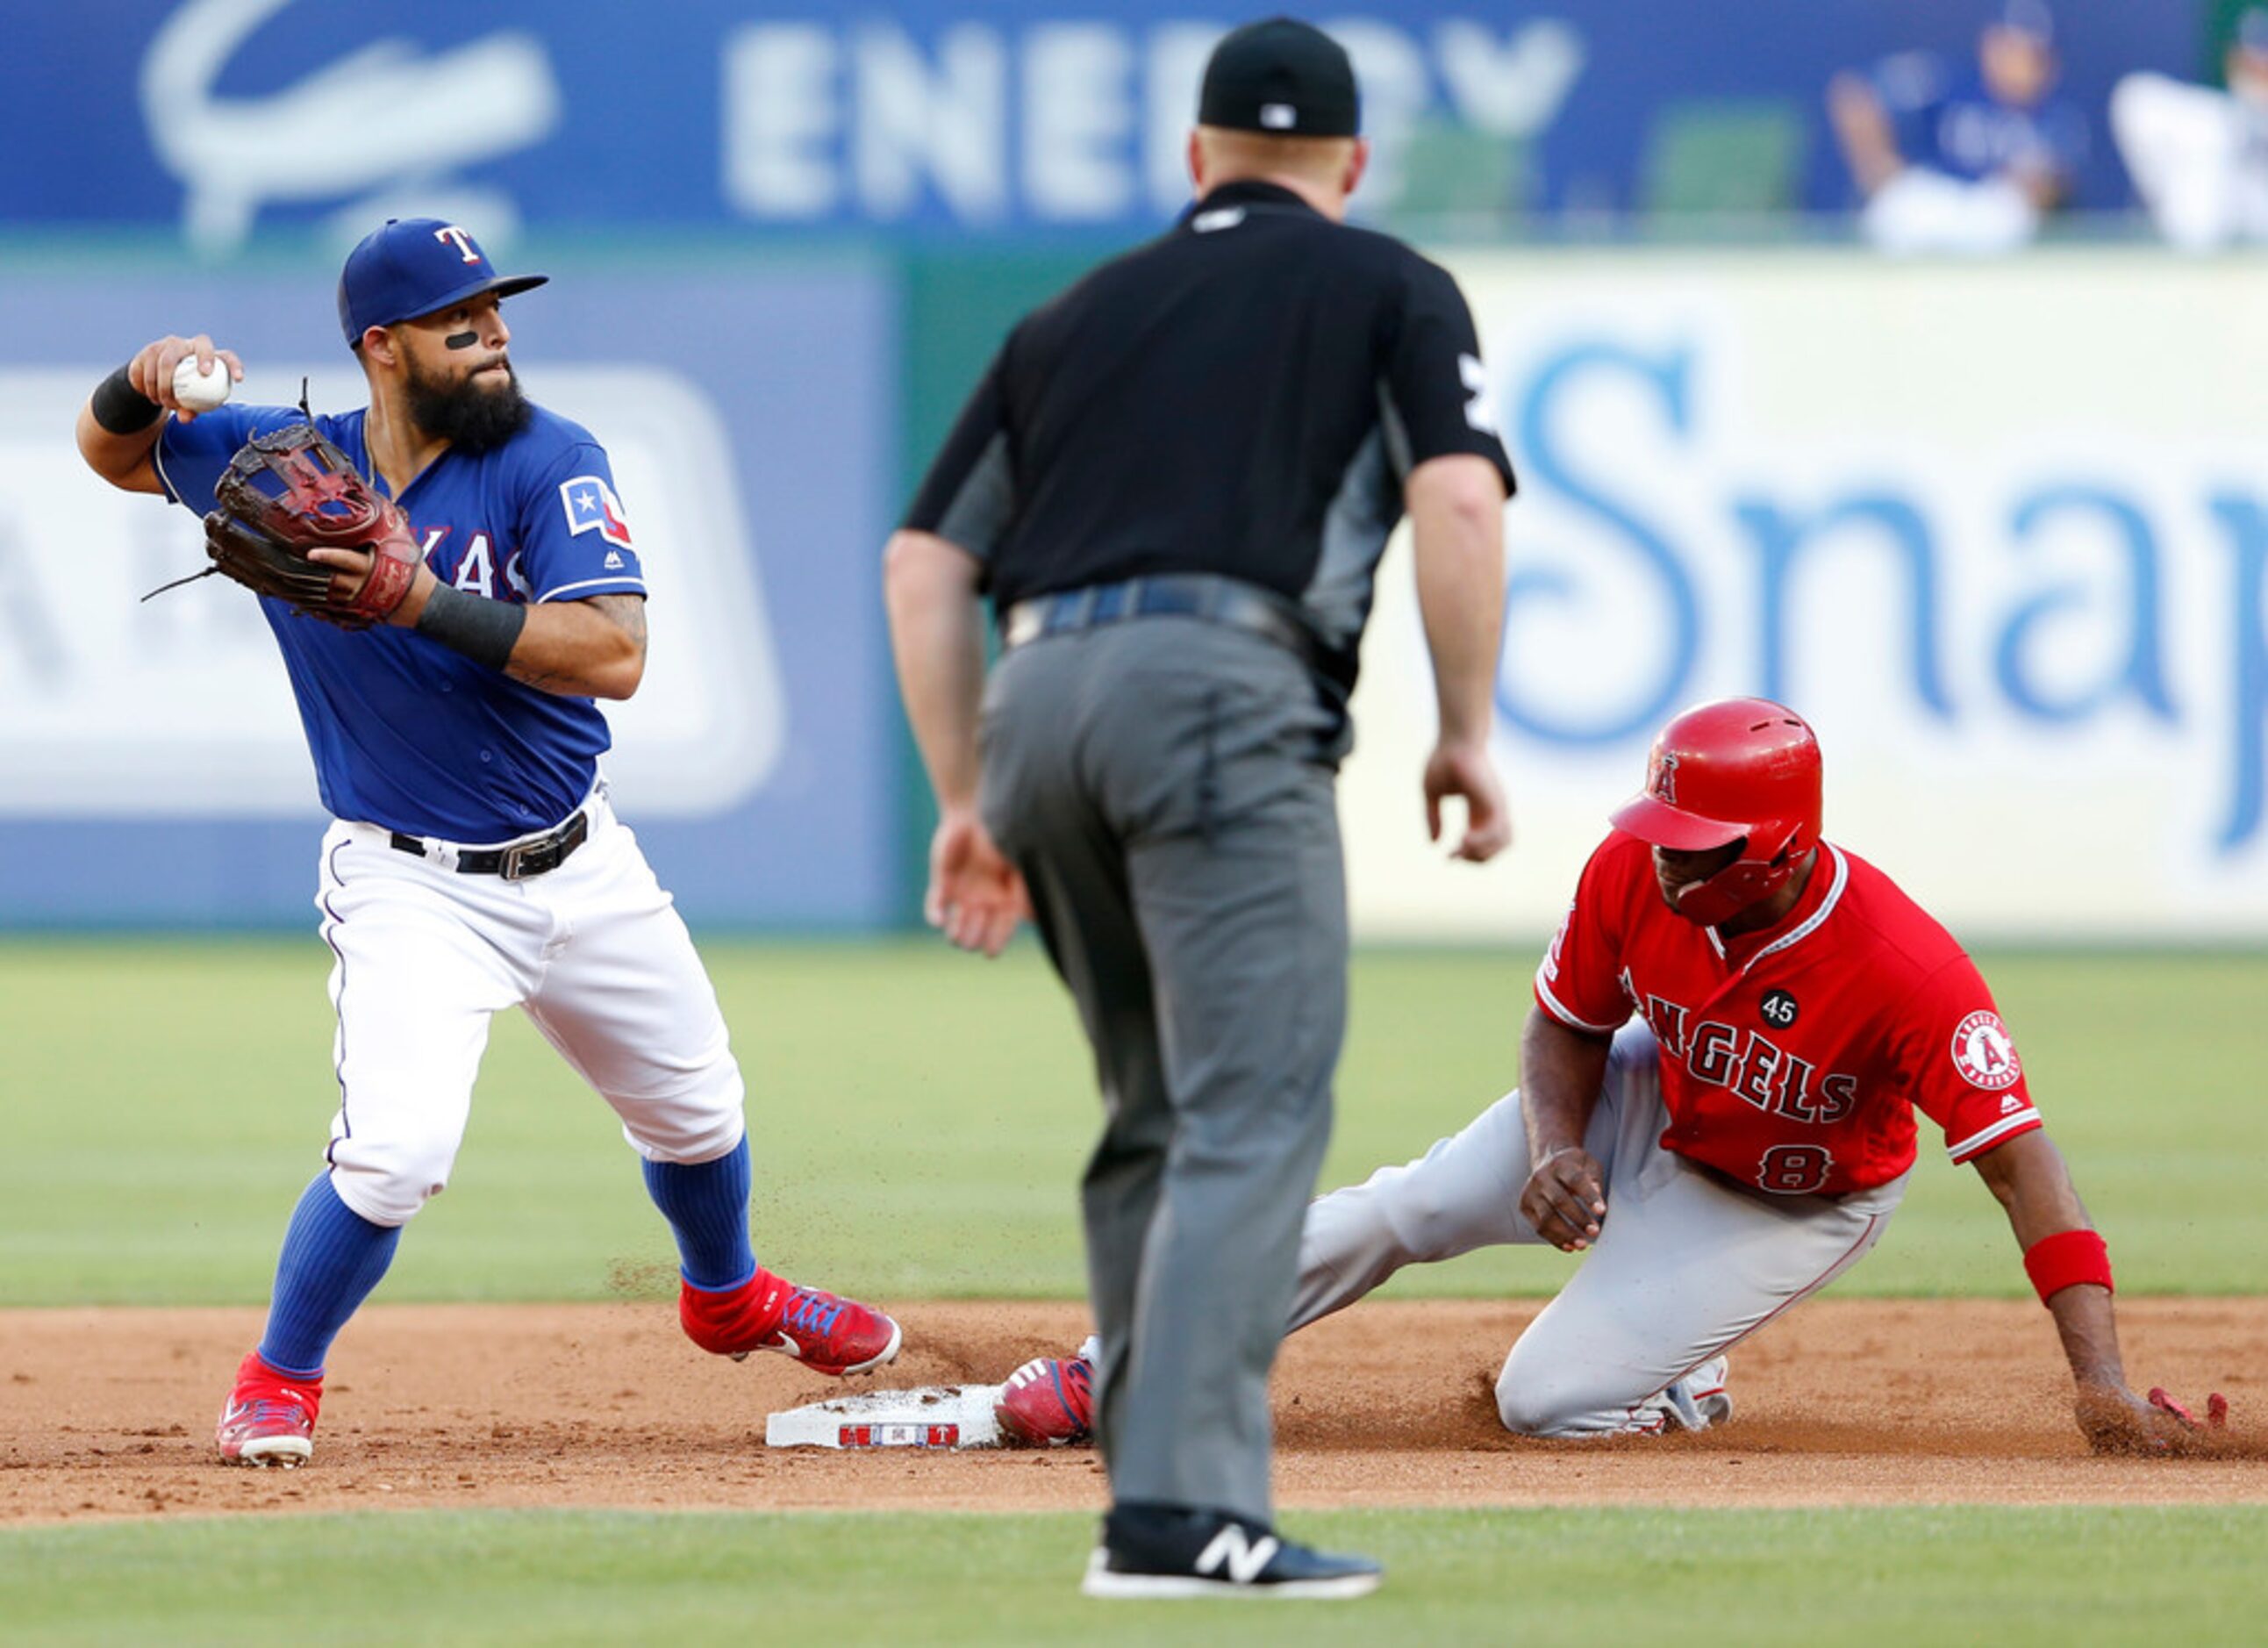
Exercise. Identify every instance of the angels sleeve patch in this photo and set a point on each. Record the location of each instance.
(591, 506)
(1983, 1052)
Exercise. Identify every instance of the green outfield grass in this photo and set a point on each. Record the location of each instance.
(2051, 1578)
(919, 1119)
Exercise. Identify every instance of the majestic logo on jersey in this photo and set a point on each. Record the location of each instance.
(1983, 1054)
(461, 240)
(1778, 1008)
(591, 506)
(1661, 782)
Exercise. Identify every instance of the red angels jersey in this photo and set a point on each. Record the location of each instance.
(1793, 1059)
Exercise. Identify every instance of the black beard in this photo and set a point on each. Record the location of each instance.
(468, 416)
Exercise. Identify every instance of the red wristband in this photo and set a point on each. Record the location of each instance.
(2057, 1262)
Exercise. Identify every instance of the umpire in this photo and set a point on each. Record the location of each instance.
(1174, 483)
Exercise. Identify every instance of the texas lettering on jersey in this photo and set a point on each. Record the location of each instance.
(1793, 1060)
(472, 566)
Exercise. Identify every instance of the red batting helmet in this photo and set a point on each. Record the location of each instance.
(1737, 770)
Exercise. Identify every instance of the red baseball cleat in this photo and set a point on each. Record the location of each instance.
(269, 1417)
(826, 1334)
(1049, 1401)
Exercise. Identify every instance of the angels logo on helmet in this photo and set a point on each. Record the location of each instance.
(1663, 788)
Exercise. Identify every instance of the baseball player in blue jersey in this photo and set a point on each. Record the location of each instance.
(1963, 160)
(474, 862)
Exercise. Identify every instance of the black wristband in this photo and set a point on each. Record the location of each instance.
(121, 408)
(484, 630)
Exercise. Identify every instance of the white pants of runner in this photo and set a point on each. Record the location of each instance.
(1920, 211)
(1684, 1264)
(593, 952)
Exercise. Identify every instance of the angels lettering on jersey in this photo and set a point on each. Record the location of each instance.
(1749, 1065)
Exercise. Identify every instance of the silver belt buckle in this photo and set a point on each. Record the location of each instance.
(510, 868)
(1024, 621)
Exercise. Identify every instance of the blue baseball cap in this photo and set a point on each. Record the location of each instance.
(2027, 16)
(414, 266)
(2252, 31)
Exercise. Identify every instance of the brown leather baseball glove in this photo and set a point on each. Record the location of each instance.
(289, 492)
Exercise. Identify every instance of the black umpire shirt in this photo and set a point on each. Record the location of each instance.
(1242, 396)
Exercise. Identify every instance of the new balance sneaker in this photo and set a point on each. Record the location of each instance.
(826, 1334)
(1150, 1551)
(1699, 1400)
(1050, 1401)
(269, 1417)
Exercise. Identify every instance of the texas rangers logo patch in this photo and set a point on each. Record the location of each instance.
(591, 506)
(1983, 1054)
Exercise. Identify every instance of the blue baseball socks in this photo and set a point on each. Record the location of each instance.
(332, 1258)
(707, 1206)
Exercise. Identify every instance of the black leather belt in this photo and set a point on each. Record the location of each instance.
(516, 863)
(1206, 596)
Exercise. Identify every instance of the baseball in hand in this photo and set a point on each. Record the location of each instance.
(200, 391)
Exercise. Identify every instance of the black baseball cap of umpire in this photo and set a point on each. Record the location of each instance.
(1283, 77)
(411, 267)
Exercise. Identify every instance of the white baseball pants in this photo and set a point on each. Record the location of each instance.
(594, 951)
(1920, 211)
(1684, 1264)
(2198, 158)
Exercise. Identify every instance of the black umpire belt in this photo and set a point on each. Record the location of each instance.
(1206, 596)
(516, 863)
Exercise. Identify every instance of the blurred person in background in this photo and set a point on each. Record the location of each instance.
(2199, 156)
(1967, 162)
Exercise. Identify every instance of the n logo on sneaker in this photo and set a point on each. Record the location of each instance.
(1243, 1559)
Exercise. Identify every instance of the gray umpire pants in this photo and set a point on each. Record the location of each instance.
(1165, 785)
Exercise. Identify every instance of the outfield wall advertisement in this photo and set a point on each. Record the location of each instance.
(230, 117)
(2000, 530)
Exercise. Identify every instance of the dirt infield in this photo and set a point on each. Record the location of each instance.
(108, 1412)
